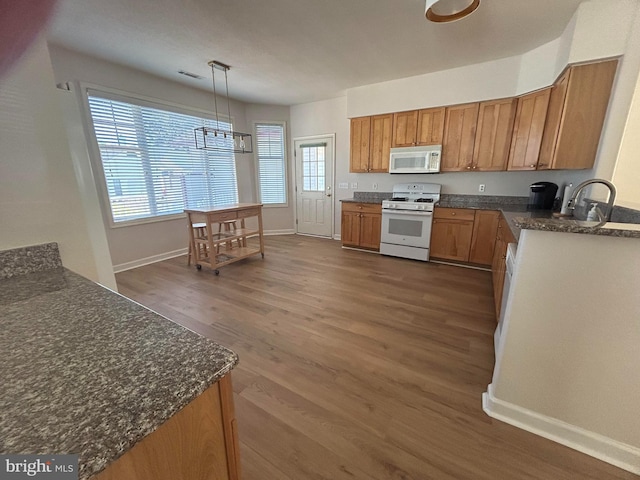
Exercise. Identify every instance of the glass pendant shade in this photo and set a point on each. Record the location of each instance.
(449, 10)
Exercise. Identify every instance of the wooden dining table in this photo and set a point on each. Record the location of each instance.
(221, 230)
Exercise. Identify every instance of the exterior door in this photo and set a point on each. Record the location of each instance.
(314, 185)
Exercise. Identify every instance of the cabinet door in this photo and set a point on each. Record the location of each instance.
(360, 144)
(451, 239)
(585, 108)
(527, 130)
(498, 266)
(405, 125)
(370, 226)
(459, 135)
(493, 138)
(485, 229)
(552, 124)
(381, 132)
(430, 126)
(350, 229)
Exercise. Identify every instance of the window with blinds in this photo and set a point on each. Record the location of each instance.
(151, 166)
(272, 168)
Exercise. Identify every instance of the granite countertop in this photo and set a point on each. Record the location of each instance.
(519, 217)
(88, 371)
(610, 229)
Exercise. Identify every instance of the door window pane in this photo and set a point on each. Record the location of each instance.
(313, 173)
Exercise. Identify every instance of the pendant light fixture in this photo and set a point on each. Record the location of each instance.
(222, 139)
(441, 11)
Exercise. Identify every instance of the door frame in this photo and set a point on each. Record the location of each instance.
(330, 181)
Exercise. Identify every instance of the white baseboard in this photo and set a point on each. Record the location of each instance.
(176, 253)
(280, 232)
(148, 260)
(603, 448)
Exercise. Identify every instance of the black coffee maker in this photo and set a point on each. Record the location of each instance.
(542, 195)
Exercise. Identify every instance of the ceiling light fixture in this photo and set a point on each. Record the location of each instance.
(222, 139)
(441, 11)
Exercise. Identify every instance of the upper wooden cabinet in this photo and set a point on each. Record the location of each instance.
(430, 126)
(493, 136)
(381, 127)
(459, 134)
(405, 128)
(418, 127)
(527, 130)
(371, 143)
(554, 128)
(577, 109)
(360, 144)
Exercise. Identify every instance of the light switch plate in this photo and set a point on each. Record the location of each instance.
(354, 184)
(343, 185)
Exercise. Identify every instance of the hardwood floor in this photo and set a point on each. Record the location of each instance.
(357, 366)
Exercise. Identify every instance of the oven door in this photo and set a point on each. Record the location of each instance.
(404, 227)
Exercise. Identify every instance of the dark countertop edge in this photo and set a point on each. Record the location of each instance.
(374, 201)
(574, 226)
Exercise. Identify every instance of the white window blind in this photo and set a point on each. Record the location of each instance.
(272, 170)
(150, 162)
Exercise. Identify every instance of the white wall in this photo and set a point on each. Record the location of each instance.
(483, 81)
(41, 194)
(318, 118)
(138, 244)
(571, 342)
(276, 219)
(626, 175)
(618, 26)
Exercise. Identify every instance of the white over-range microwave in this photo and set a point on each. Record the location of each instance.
(415, 159)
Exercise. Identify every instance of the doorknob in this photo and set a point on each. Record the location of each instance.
(328, 194)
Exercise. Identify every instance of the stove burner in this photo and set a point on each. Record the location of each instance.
(427, 200)
(399, 199)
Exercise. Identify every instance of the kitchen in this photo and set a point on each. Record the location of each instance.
(77, 215)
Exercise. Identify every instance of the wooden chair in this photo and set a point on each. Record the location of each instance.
(199, 231)
(230, 226)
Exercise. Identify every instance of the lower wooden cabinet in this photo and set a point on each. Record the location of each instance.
(464, 235)
(200, 441)
(485, 228)
(451, 233)
(361, 225)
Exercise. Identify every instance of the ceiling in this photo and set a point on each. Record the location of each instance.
(294, 51)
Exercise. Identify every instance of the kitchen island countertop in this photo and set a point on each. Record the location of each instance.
(87, 371)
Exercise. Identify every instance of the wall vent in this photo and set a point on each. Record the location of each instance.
(189, 74)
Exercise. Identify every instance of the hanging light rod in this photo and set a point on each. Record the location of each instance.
(222, 139)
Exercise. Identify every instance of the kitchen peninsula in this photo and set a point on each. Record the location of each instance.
(90, 372)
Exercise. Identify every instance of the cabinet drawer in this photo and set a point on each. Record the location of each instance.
(249, 212)
(223, 216)
(454, 213)
(361, 207)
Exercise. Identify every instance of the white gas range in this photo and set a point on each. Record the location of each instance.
(407, 219)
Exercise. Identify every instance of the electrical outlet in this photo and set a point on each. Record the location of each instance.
(375, 186)
(481, 187)
(354, 185)
(343, 185)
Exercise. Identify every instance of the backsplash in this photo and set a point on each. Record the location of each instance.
(25, 260)
(478, 201)
(372, 196)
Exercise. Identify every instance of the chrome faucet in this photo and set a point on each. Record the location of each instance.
(604, 217)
